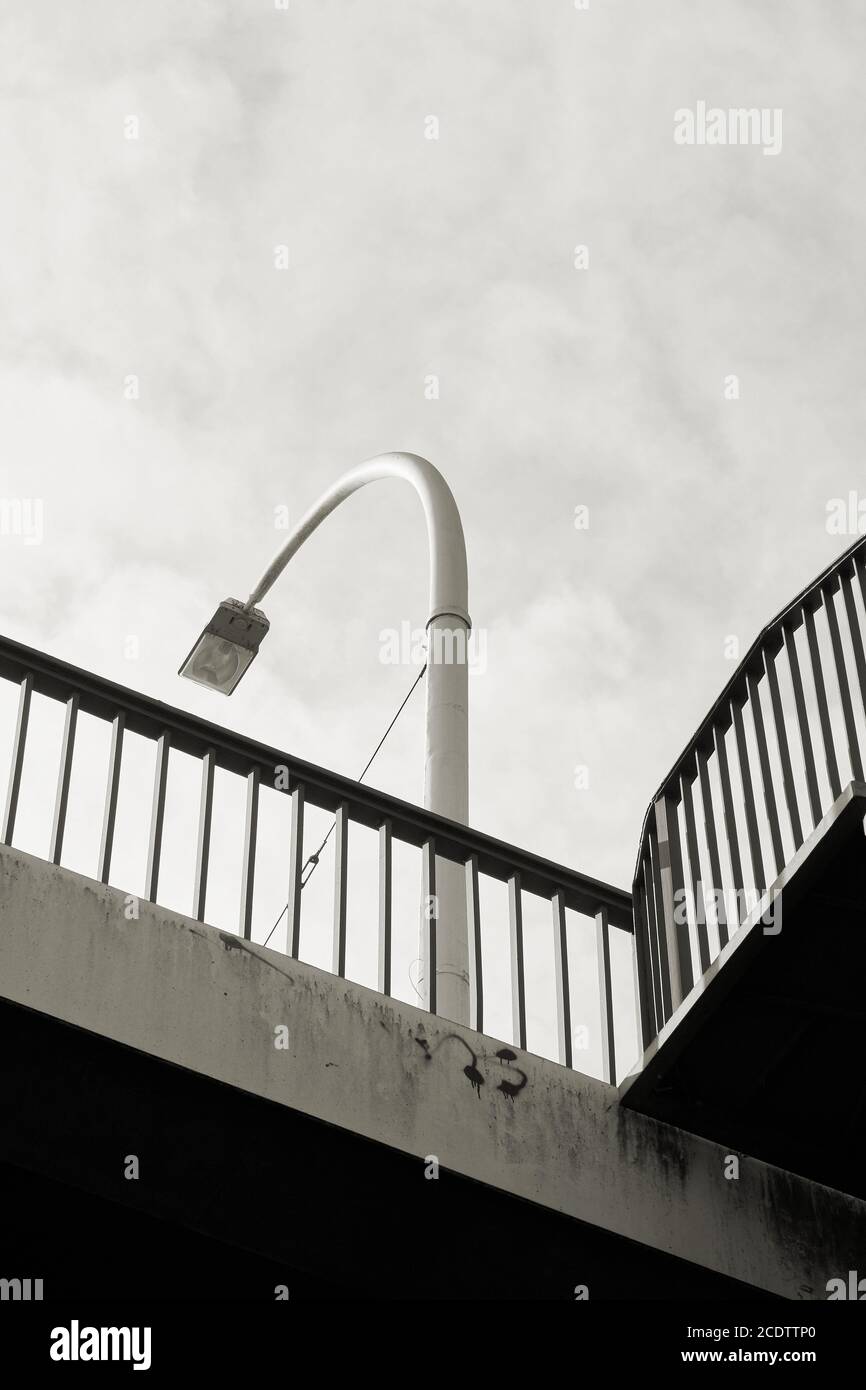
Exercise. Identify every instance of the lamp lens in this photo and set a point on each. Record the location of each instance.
(217, 663)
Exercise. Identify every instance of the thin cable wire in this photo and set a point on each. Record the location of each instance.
(314, 858)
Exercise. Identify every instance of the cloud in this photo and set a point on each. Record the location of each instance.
(154, 257)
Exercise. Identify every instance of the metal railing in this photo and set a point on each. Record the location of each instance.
(801, 687)
(266, 770)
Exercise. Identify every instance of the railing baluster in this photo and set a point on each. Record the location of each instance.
(157, 816)
(730, 824)
(661, 935)
(803, 726)
(844, 687)
(676, 919)
(17, 764)
(296, 869)
(645, 966)
(860, 571)
(112, 788)
(712, 840)
(385, 892)
(341, 882)
(563, 988)
(518, 982)
(205, 815)
(780, 727)
(653, 941)
(695, 872)
(251, 828)
(63, 777)
(855, 634)
(766, 773)
(605, 996)
(429, 919)
(752, 834)
(476, 963)
(823, 709)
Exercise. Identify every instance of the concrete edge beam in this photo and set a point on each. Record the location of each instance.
(206, 1000)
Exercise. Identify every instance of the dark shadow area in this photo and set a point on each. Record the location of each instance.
(236, 1195)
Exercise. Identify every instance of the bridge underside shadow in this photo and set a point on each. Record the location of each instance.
(304, 1163)
(236, 1196)
(767, 1058)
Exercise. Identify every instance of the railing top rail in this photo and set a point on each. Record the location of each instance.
(750, 664)
(237, 753)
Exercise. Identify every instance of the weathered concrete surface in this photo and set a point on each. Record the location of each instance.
(212, 1003)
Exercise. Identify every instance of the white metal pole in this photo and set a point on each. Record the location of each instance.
(446, 758)
(446, 791)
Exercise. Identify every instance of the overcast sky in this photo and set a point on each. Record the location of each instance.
(411, 257)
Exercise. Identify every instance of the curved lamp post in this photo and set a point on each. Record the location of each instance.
(231, 640)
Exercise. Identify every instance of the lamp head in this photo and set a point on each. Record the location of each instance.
(226, 647)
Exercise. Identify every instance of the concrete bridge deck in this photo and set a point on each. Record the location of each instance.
(162, 1038)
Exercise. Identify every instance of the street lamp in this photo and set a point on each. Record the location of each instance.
(232, 638)
(226, 647)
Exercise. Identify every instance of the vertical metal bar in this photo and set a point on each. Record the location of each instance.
(730, 823)
(755, 853)
(860, 572)
(643, 972)
(17, 764)
(205, 815)
(341, 879)
(251, 829)
(823, 708)
(112, 788)
(476, 968)
(563, 988)
(855, 634)
(766, 773)
(695, 872)
(803, 726)
(844, 687)
(652, 939)
(605, 995)
(157, 816)
(518, 982)
(385, 893)
(717, 887)
(429, 918)
(62, 798)
(784, 751)
(296, 869)
(661, 935)
(676, 920)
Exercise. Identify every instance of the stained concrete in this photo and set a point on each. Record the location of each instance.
(211, 1003)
